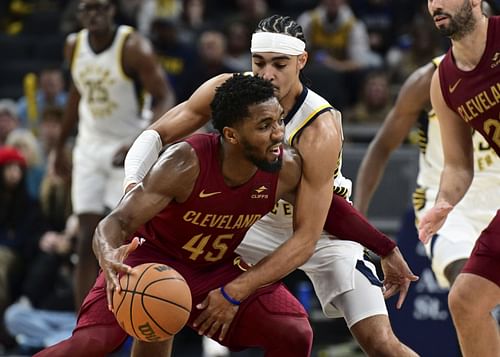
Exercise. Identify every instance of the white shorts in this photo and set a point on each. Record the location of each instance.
(96, 184)
(332, 270)
(455, 240)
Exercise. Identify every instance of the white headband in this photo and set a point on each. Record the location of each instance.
(277, 42)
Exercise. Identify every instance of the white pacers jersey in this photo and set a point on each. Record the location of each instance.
(308, 107)
(456, 238)
(334, 265)
(110, 105)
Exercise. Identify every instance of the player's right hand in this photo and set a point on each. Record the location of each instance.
(433, 220)
(111, 262)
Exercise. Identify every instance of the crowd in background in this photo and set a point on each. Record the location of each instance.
(360, 51)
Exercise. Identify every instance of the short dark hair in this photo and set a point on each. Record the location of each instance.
(234, 96)
(281, 24)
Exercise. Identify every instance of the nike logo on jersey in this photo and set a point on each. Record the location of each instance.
(204, 194)
(453, 87)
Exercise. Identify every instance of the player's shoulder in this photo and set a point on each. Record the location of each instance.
(291, 170)
(291, 159)
(180, 157)
(421, 77)
(70, 44)
(134, 42)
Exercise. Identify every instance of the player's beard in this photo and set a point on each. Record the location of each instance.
(461, 24)
(262, 164)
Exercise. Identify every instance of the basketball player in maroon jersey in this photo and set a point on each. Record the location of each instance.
(465, 92)
(193, 209)
(313, 127)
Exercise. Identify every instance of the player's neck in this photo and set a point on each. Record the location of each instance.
(100, 41)
(289, 100)
(468, 51)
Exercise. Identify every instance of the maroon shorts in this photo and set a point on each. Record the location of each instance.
(275, 298)
(485, 257)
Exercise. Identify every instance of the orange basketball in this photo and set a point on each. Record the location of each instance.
(154, 304)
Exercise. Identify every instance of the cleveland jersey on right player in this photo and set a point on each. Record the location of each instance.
(475, 94)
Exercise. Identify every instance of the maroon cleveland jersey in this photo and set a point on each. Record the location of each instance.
(475, 95)
(212, 222)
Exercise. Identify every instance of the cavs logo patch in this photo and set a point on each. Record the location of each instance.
(260, 192)
(244, 266)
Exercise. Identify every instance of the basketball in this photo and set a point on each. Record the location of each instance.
(154, 303)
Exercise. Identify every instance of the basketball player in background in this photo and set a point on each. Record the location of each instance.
(451, 246)
(465, 93)
(111, 69)
(344, 281)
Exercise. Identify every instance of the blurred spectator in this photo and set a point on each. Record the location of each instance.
(9, 120)
(24, 141)
(337, 38)
(238, 37)
(374, 101)
(49, 130)
(176, 57)
(49, 92)
(211, 54)
(151, 10)
(379, 19)
(45, 314)
(414, 50)
(21, 223)
(13, 15)
(339, 42)
(192, 21)
(250, 12)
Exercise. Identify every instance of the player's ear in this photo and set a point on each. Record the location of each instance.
(302, 60)
(230, 135)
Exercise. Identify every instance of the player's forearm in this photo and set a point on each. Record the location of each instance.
(345, 222)
(70, 119)
(455, 182)
(288, 257)
(110, 233)
(369, 176)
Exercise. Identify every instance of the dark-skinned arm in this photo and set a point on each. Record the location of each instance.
(178, 122)
(58, 162)
(413, 98)
(178, 164)
(140, 61)
(190, 115)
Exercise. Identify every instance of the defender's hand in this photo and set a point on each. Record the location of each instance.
(397, 276)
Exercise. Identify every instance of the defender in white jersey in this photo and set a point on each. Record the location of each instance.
(112, 68)
(451, 246)
(343, 280)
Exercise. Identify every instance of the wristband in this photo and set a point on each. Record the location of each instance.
(229, 298)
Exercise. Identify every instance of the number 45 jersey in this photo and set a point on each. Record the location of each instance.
(211, 223)
(475, 94)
